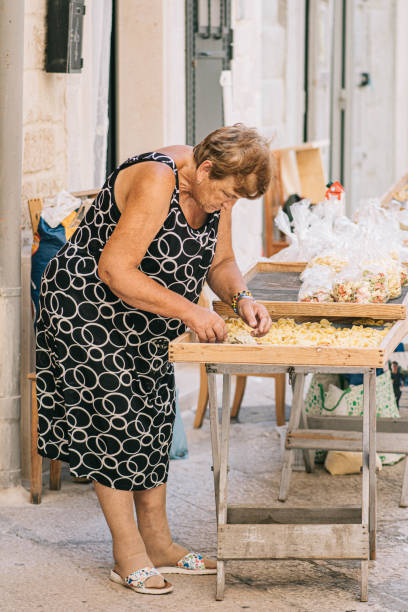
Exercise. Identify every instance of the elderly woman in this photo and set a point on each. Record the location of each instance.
(126, 283)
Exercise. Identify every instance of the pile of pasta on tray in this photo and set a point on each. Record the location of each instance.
(288, 332)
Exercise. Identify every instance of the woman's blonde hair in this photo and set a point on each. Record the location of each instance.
(241, 152)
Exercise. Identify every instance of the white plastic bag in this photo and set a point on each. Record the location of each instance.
(56, 209)
(293, 251)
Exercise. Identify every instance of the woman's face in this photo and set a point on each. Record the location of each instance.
(213, 194)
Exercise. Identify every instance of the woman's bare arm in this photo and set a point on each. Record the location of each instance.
(144, 211)
(225, 279)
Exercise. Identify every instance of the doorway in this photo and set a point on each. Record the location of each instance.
(208, 53)
(349, 92)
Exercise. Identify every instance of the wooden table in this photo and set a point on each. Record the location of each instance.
(276, 285)
(253, 532)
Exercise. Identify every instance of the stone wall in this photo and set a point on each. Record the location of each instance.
(64, 114)
(44, 110)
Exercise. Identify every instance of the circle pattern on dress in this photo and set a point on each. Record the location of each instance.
(106, 393)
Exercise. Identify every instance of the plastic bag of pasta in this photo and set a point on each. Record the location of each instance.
(404, 275)
(334, 261)
(350, 287)
(394, 272)
(317, 283)
(375, 275)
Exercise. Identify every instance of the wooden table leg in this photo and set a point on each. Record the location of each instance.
(36, 459)
(364, 581)
(224, 448)
(55, 475)
(404, 491)
(365, 495)
(202, 398)
(238, 395)
(280, 389)
(308, 455)
(215, 435)
(294, 421)
(372, 518)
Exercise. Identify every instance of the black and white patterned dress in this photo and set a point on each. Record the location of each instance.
(105, 388)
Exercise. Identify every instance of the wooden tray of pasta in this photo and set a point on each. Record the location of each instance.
(276, 285)
(186, 348)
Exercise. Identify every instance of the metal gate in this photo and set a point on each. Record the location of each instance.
(208, 53)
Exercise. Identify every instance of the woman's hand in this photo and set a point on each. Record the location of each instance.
(255, 315)
(208, 326)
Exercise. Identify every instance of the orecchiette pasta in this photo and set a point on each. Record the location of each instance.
(311, 333)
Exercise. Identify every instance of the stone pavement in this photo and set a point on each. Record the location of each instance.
(56, 557)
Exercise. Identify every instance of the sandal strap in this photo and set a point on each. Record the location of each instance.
(192, 561)
(139, 577)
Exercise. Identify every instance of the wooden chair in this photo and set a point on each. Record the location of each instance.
(35, 207)
(298, 170)
(399, 186)
(280, 389)
(36, 459)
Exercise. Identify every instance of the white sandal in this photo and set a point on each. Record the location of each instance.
(136, 580)
(192, 563)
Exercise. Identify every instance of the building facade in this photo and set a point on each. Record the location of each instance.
(296, 69)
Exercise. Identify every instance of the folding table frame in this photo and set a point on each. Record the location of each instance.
(257, 532)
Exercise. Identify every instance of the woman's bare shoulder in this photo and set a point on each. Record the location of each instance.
(182, 155)
(148, 176)
(143, 170)
(176, 151)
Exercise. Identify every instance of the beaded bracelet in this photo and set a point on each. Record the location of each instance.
(239, 296)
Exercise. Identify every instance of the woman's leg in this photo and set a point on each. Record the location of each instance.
(129, 550)
(154, 528)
